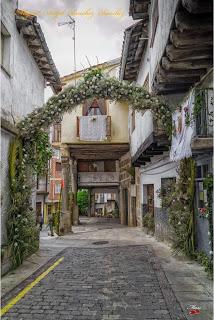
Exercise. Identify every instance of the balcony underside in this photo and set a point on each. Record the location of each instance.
(201, 145)
(153, 145)
(189, 50)
(98, 179)
(98, 151)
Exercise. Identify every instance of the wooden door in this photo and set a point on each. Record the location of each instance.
(38, 210)
(150, 198)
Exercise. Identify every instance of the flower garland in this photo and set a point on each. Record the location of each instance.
(95, 84)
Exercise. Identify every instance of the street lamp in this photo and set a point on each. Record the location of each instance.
(72, 25)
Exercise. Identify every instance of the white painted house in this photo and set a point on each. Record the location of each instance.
(165, 53)
(26, 69)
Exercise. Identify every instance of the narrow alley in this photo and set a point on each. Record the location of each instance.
(110, 271)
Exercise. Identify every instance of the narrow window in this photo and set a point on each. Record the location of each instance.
(57, 132)
(5, 49)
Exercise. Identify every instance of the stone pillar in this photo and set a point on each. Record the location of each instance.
(74, 187)
(122, 207)
(66, 217)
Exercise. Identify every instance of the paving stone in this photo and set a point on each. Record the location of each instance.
(115, 283)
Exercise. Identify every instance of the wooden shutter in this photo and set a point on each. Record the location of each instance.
(102, 106)
(78, 127)
(108, 126)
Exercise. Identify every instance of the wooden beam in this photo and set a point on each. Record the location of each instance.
(185, 65)
(175, 80)
(180, 73)
(188, 22)
(198, 6)
(190, 38)
(186, 54)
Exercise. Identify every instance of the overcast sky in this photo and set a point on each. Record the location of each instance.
(100, 26)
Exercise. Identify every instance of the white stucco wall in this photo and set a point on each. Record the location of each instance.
(143, 129)
(153, 173)
(23, 88)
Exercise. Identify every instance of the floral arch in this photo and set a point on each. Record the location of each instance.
(30, 151)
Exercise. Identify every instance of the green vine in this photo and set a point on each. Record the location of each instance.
(26, 159)
(178, 200)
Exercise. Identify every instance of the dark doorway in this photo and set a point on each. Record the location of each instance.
(38, 210)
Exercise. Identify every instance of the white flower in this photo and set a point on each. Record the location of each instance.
(208, 233)
(179, 223)
(15, 244)
(211, 252)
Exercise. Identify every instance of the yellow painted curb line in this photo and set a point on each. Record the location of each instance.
(29, 287)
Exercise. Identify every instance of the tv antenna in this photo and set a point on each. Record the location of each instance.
(72, 25)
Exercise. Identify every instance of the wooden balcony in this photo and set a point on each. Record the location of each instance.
(89, 179)
(94, 128)
(148, 139)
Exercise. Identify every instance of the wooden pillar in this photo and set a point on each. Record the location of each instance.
(92, 203)
(74, 187)
(122, 207)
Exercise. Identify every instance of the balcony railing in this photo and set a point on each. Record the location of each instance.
(98, 179)
(94, 128)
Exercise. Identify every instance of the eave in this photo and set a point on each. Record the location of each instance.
(134, 44)
(189, 49)
(31, 31)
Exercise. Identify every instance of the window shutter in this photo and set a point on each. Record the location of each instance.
(102, 106)
(78, 127)
(108, 126)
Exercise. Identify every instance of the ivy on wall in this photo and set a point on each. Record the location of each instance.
(178, 199)
(25, 160)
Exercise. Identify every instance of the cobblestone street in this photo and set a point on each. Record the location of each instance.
(114, 279)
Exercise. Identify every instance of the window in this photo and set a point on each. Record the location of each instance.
(56, 153)
(5, 49)
(155, 17)
(94, 107)
(57, 188)
(57, 132)
(58, 167)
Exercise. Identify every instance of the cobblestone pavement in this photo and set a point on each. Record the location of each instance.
(102, 283)
(130, 277)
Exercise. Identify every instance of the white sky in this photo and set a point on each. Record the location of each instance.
(96, 34)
